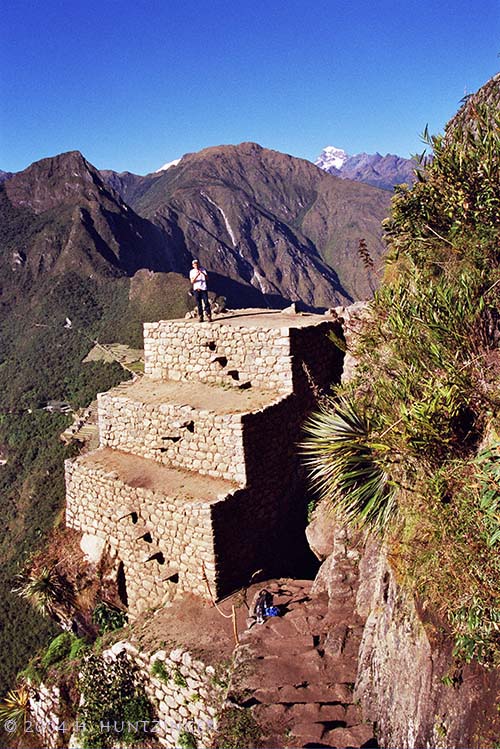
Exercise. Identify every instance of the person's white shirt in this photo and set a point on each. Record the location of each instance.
(198, 278)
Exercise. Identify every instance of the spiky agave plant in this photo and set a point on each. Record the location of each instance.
(345, 465)
(15, 708)
(47, 591)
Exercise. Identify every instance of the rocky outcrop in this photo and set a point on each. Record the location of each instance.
(408, 680)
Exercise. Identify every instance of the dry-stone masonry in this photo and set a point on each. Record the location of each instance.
(186, 693)
(197, 465)
(45, 715)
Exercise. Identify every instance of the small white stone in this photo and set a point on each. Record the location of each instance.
(176, 655)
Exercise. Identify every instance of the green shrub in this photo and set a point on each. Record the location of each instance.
(79, 646)
(33, 673)
(108, 617)
(237, 728)
(187, 740)
(488, 465)
(477, 632)
(179, 679)
(112, 695)
(159, 670)
(58, 650)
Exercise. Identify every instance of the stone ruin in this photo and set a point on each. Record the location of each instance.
(197, 481)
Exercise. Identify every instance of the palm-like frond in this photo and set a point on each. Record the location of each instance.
(46, 590)
(345, 465)
(15, 707)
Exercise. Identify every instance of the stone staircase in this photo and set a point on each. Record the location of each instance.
(297, 671)
(197, 462)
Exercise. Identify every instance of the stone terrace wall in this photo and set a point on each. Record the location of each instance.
(222, 354)
(245, 448)
(175, 435)
(269, 458)
(98, 503)
(234, 533)
(187, 699)
(257, 529)
(45, 715)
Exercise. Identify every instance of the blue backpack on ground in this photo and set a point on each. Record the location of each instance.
(264, 607)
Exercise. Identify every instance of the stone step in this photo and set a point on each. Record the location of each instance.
(297, 671)
(193, 426)
(158, 520)
(138, 475)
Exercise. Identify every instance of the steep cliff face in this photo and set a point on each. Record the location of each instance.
(408, 681)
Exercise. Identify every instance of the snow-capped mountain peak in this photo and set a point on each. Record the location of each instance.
(374, 169)
(331, 157)
(167, 166)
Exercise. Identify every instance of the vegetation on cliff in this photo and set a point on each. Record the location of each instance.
(41, 360)
(410, 446)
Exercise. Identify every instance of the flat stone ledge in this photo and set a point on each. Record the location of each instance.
(197, 395)
(252, 318)
(141, 473)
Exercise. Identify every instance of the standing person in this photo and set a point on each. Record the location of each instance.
(198, 277)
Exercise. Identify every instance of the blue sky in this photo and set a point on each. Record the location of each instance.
(135, 83)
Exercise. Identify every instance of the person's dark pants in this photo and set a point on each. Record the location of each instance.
(202, 299)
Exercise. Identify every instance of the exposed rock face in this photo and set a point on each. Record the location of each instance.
(130, 186)
(402, 665)
(487, 94)
(320, 533)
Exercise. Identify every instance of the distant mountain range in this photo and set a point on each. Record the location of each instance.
(374, 169)
(270, 227)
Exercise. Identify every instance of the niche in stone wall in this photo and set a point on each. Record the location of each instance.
(157, 557)
(133, 516)
(121, 584)
(171, 438)
(220, 360)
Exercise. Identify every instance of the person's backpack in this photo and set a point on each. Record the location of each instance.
(264, 606)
